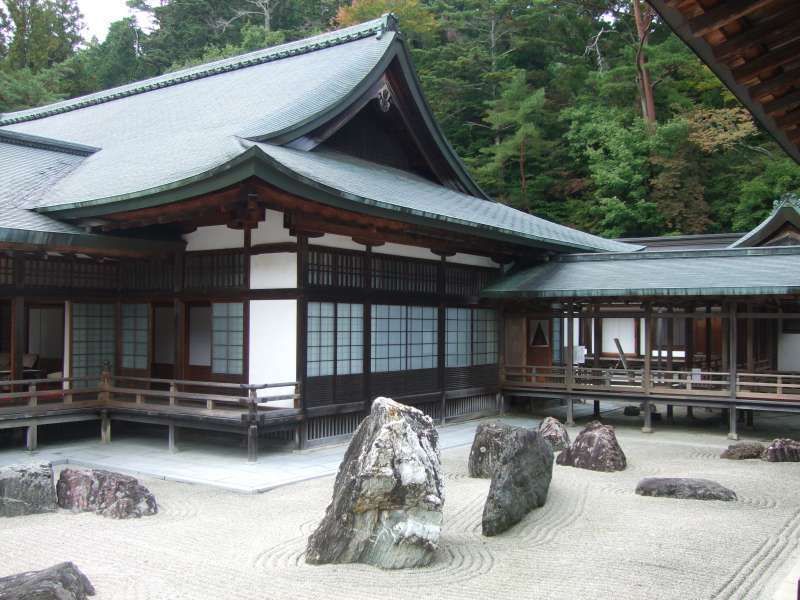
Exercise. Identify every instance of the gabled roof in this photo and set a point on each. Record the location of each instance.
(786, 210)
(738, 272)
(205, 128)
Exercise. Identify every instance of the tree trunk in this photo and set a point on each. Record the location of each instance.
(645, 84)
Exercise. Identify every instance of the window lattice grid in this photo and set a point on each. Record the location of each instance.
(395, 274)
(214, 271)
(95, 275)
(320, 267)
(335, 339)
(466, 281)
(320, 346)
(458, 337)
(135, 332)
(403, 337)
(147, 275)
(6, 270)
(484, 336)
(349, 339)
(227, 341)
(93, 340)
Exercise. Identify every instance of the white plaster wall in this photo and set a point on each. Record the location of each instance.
(215, 237)
(789, 352)
(273, 345)
(624, 329)
(337, 241)
(164, 335)
(273, 271)
(471, 259)
(271, 230)
(402, 250)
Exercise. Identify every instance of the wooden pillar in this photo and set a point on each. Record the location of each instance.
(596, 411)
(725, 358)
(690, 412)
(181, 339)
(750, 342)
(32, 437)
(105, 427)
(597, 337)
(670, 338)
(670, 413)
(569, 359)
(708, 339)
(733, 374)
(18, 338)
(252, 443)
(173, 438)
(688, 324)
(570, 411)
(647, 427)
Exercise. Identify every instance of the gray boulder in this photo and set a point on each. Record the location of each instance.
(684, 488)
(554, 432)
(487, 448)
(595, 448)
(783, 450)
(26, 490)
(104, 493)
(63, 581)
(388, 495)
(520, 482)
(743, 451)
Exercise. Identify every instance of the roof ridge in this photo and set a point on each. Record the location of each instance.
(387, 22)
(45, 143)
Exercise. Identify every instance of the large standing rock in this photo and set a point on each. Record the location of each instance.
(26, 490)
(60, 582)
(783, 450)
(743, 451)
(554, 432)
(388, 495)
(487, 448)
(105, 493)
(520, 482)
(684, 488)
(595, 448)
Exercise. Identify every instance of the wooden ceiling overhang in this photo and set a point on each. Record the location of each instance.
(753, 46)
(244, 205)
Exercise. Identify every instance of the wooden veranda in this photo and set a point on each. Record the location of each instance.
(717, 354)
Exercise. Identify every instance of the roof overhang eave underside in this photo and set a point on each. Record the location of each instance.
(25, 240)
(676, 21)
(254, 162)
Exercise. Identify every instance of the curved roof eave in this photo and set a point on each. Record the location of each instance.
(255, 162)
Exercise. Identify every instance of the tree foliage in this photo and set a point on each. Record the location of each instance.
(542, 98)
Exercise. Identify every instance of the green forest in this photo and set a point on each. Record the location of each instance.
(587, 112)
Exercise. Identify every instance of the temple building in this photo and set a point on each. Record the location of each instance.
(263, 244)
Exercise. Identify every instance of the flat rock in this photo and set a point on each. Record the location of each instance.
(105, 493)
(487, 448)
(743, 451)
(783, 450)
(388, 495)
(520, 482)
(63, 581)
(595, 448)
(26, 490)
(554, 432)
(684, 488)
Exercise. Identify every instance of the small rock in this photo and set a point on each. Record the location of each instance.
(520, 482)
(631, 411)
(554, 432)
(63, 581)
(26, 490)
(783, 450)
(487, 448)
(684, 488)
(105, 493)
(595, 448)
(743, 451)
(388, 495)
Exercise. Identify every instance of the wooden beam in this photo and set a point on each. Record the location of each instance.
(785, 102)
(776, 28)
(789, 119)
(18, 337)
(767, 61)
(724, 14)
(773, 84)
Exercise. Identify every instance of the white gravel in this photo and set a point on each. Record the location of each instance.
(593, 539)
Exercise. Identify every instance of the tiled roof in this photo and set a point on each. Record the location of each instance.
(367, 183)
(744, 271)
